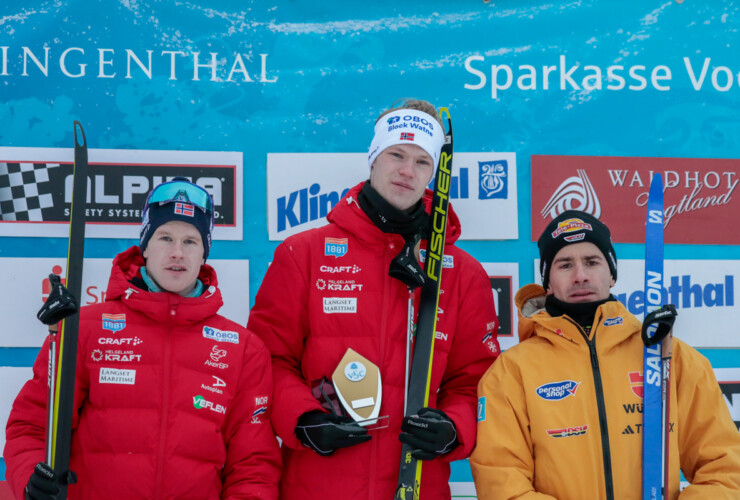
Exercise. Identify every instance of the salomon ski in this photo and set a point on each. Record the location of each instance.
(657, 336)
(409, 479)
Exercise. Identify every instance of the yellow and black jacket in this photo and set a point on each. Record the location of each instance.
(560, 414)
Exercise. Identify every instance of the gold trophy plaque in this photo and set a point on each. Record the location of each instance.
(357, 382)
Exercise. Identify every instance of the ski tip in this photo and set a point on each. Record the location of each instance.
(77, 125)
(444, 113)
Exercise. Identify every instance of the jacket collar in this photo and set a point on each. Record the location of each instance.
(161, 306)
(348, 215)
(535, 321)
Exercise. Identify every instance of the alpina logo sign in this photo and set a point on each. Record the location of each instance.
(700, 195)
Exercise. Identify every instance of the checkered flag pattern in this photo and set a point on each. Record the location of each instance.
(25, 190)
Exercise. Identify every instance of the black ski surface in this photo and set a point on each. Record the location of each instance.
(409, 478)
(64, 391)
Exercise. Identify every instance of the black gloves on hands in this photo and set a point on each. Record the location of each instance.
(324, 432)
(59, 305)
(431, 433)
(43, 484)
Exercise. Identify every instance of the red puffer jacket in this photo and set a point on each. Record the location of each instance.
(172, 401)
(295, 314)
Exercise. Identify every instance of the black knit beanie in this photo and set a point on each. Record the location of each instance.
(574, 226)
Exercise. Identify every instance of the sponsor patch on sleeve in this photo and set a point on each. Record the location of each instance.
(482, 409)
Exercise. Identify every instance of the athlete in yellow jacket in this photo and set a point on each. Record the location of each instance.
(560, 414)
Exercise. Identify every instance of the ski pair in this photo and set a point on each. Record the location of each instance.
(657, 336)
(63, 305)
(418, 383)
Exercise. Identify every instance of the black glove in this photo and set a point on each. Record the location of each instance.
(662, 320)
(59, 304)
(431, 433)
(43, 484)
(324, 433)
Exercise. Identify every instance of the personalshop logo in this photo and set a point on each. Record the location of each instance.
(685, 294)
(305, 205)
(556, 391)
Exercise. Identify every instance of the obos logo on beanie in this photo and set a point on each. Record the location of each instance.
(407, 126)
(574, 226)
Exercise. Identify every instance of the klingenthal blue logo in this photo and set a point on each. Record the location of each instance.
(493, 183)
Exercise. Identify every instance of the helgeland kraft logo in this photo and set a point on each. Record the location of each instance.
(555, 391)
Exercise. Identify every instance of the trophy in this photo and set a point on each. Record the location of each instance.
(357, 383)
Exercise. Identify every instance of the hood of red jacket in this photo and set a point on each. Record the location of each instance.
(160, 305)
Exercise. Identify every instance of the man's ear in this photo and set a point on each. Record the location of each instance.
(613, 282)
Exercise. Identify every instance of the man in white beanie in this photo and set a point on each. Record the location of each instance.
(355, 284)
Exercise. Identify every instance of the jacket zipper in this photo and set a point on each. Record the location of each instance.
(598, 385)
(165, 405)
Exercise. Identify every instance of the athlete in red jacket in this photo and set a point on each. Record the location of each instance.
(172, 401)
(329, 289)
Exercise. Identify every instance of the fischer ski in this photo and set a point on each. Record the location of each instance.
(657, 337)
(417, 397)
(60, 432)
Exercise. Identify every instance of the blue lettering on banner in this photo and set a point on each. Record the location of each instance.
(555, 391)
(220, 335)
(304, 205)
(685, 294)
(493, 180)
(481, 409)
